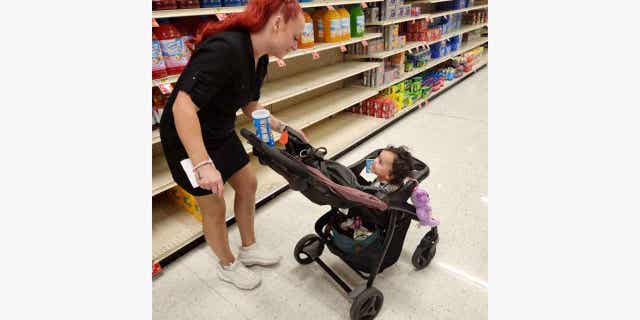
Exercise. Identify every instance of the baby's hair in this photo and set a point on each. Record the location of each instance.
(402, 164)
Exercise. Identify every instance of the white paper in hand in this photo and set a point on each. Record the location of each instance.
(187, 166)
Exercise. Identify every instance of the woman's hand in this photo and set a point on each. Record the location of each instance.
(303, 135)
(209, 178)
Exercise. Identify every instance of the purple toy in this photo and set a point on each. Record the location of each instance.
(420, 199)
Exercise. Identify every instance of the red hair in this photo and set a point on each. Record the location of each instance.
(253, 18)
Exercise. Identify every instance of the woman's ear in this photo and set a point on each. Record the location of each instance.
(277, 23)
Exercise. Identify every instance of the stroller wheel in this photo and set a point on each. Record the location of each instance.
(307, 249)
(426, 250)
(367, 304)
(423, 256)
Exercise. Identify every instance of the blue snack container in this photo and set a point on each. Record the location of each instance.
(261, 123)
(368, 165)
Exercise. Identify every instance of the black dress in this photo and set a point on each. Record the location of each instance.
(221, 77)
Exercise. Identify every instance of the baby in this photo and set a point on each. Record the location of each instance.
(391, 167)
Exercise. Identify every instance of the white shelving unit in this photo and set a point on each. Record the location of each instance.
(427, 1)
(415, 44)
(282, 89)
(384, 54)
(433, 63)
(399, 20)
(450, 12)
(311, 99)
(210, 11)
(323, 46)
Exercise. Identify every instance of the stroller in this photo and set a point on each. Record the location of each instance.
(388, 215)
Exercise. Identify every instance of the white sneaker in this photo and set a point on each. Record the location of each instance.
(238, 275)
(256, 254)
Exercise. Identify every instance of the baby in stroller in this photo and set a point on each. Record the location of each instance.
(380, 207)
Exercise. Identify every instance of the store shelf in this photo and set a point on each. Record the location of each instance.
(446, 13)
(308, 113)
(399, 20)
(432, 64)
(279, 90)
(416, 44)
(323, 46)
(459, 31)
(172, 228)
(384, 54)
(313, 111)
(427, 1)
(155, 136)
(161, 179)
(341, 131)
(469, 45)
(479, 64)
(210, 11)
(297, 53)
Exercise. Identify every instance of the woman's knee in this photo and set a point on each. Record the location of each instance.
(249, 186)
(244, 182)
(212, 208)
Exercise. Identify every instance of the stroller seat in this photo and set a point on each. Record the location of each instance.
(327, 182)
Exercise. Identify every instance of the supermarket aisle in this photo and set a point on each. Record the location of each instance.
(451, 137)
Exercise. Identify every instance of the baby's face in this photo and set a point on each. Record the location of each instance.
(383, 164)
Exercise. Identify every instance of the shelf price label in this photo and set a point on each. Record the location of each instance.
(221, 16)
(330, 7)
(315, 55)
(156, 269)
(165, 88)
(343, 48)
(364, 43)
(281, 63)
(364, 5)
(154, 23)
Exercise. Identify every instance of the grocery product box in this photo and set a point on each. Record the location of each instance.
(186, 201)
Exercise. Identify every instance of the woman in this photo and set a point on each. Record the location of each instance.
(225, 74)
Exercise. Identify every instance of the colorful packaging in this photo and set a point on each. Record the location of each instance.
(263, 128)
(164, 4)
(188, 4)
(306, 40)
(332, 23)
(186, 201)
(174, 51)
(357, 21)
(210, 3)
(318, 28)
(346, 23)
(159, 70)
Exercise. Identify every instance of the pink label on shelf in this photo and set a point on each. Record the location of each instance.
(365, 43)
(154, 23)
(281, 63)
(330, 7)
(364, 5)
(315, 55)
(343, 48)
(221, 16)
(165, 88)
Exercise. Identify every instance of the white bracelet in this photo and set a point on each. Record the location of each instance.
(203, 163)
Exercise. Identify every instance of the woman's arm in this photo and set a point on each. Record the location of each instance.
(188, 128)
(274, 123)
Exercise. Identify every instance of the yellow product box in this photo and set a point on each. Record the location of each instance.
(186, 201)
(398, 98)
(395, 88)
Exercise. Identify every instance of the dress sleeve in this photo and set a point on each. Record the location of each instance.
(207, 72)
